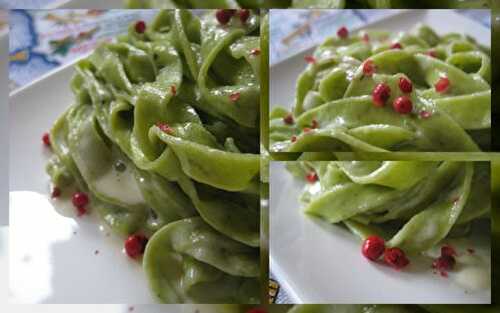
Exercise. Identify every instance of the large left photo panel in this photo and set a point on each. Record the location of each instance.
(134, 156)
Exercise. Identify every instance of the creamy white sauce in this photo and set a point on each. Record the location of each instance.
(119, 185)
(473, 278)
(474, 269)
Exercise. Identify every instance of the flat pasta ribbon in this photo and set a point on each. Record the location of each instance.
(413, 204)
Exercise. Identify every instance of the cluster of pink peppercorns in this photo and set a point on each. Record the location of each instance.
(223, 16)
(403, 104)
(446, 261)
(374, 247)
(381, 93)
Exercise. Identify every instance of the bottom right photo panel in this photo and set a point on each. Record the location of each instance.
(382, 232)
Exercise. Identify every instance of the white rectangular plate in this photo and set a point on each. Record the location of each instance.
(317, 262)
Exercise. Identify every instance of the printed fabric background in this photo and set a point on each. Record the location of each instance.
(41, 41)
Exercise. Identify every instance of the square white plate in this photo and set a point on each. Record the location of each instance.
(284, 74)
(317, 262)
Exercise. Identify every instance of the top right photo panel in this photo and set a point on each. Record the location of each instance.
(381, 80)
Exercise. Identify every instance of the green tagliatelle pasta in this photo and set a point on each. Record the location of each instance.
(332, 4)
(414, 205)
(335, 109)
(163, 136)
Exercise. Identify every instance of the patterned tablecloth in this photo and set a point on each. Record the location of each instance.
(41, 41)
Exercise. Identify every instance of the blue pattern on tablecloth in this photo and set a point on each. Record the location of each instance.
(25, 4)
(37, 63)
(22, 33)
(41, 41)
(22, 39)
